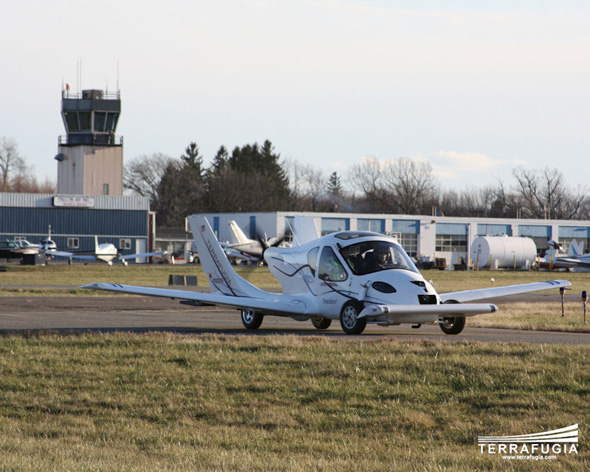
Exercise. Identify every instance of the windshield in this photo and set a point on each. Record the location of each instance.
(373, 256)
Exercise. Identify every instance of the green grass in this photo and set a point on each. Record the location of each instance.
(280, 403)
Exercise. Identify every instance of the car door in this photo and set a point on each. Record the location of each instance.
(332, 282)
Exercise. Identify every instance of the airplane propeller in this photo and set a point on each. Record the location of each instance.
(264, 242)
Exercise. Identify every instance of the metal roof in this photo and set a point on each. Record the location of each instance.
(100, 202)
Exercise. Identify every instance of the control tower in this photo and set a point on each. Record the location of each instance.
(90, 157)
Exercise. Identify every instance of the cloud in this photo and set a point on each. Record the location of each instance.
(450, 165)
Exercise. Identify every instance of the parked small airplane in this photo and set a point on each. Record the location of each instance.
(25, 247)
(242, 247)
(105, 252)
(555, 258)
(355, 276)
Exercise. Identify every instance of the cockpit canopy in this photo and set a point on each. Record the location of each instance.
(373, 256)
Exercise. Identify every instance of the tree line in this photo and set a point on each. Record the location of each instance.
(254, 177)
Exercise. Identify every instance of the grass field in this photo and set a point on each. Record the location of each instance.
(281, 403)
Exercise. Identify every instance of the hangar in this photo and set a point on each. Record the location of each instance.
(74, 220)
(434, 236)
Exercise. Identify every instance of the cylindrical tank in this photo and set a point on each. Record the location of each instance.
(503, 252)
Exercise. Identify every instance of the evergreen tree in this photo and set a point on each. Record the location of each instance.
(335, 185)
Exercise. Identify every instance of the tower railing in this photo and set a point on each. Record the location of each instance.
(90, 139)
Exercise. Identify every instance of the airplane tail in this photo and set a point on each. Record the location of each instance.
(236, 234)
(96, 248)
(576, 248)
(222, 278)
(304, 230)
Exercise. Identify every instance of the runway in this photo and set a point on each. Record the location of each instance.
(143, 314)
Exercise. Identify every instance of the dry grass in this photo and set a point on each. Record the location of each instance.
(280, 403)
(536, 316)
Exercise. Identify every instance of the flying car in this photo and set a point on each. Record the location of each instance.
(355, 277)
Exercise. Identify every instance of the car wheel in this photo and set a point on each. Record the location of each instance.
(251, 319)
(452, 324)
(321, 323)
(349, 320)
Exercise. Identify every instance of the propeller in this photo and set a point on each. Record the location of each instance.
(264, 242)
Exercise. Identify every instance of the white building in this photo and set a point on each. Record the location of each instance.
(438, 237)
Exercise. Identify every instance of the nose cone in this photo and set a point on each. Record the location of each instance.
(401, 287)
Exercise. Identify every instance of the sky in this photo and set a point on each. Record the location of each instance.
(474, 88)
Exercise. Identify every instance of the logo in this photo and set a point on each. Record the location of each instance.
(537, 446)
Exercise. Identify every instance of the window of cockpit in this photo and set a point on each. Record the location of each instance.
(330, 267)
(312, 259)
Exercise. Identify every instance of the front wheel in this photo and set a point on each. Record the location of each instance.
(452, 324)
(349, 320)
(251, 319)
(321, 323)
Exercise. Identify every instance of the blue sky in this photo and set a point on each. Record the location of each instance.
(475, 88)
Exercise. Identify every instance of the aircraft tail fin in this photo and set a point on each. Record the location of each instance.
(236, 234)
(304, 230)
(576, 248)
(96, 248)
(222, 277)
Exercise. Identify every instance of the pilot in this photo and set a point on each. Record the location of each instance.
(382, 258)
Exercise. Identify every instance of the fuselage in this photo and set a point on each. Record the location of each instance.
(361, 266)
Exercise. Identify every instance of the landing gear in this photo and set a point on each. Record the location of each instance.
(321, 323)
(452, 324)
(349, 320)
(251, 319)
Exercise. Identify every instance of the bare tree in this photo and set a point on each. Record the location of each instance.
(545, 195)
(367, 178)
(398, 186)
(10, 162)
(143, 175)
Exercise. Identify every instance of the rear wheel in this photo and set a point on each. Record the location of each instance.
(321, 323)
(452, 324)
(251, 319)
(349, 320)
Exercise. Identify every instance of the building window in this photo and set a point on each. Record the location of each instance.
(451, 243)
(124, 244)
(366, 224)
(73, 243)
(105, 189)
(409, 242)
(332, 225)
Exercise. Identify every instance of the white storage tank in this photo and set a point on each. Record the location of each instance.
(503, 252)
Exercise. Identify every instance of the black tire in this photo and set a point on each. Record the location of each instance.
(321, 323)
(452, 324)
(251, 319)
(349, 320)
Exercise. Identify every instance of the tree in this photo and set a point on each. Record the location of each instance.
(193, 161)
(142, 176)
(15, 175)
(251, 179)
(545, 195)
(335, 185)
(10, 162)
(396, 186)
